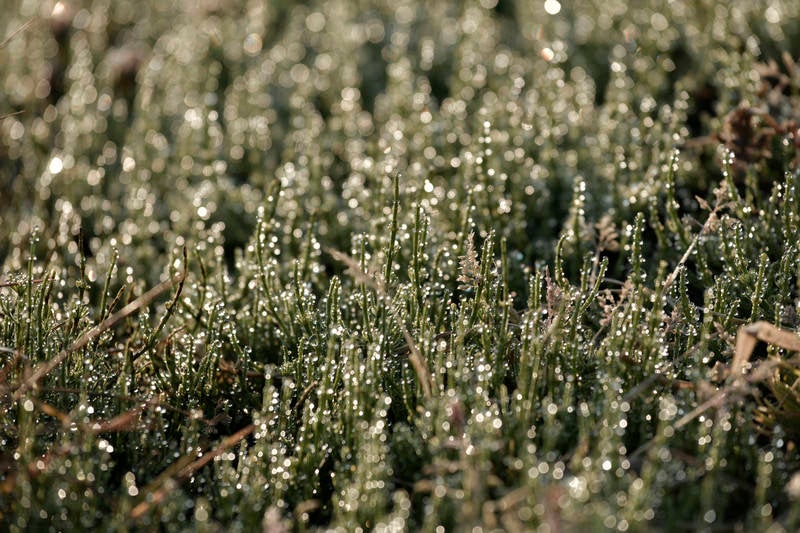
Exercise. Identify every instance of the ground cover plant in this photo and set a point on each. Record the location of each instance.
(399, 265)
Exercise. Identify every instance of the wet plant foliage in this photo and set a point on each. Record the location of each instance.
(398, 265)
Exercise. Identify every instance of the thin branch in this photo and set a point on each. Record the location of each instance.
(185, 472)
(304, 396)
(15, 113)
(17, 32)
(144, 300)
(17, 283)
(708, 226)
(126, 421)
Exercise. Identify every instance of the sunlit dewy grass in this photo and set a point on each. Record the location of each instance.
(397, 265)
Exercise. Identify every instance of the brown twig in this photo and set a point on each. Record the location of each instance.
(708, 226)
(715, 401)
(122, 422)
(186, 471)
(304, 396)
(15, 113)
(16, 283)
(125, 421)
(135, 399)
(16, 32)
(45, 368)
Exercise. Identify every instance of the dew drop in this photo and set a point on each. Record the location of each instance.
(552, 7)
(56, 165)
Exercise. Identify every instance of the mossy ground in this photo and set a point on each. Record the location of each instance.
(397, 265)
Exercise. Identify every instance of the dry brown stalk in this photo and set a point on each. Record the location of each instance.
(746, 340)
(186, 471)
(45, 368)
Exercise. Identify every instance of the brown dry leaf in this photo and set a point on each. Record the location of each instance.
(746, 341)
(749, 336)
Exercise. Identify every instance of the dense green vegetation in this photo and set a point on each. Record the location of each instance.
(398, 265)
